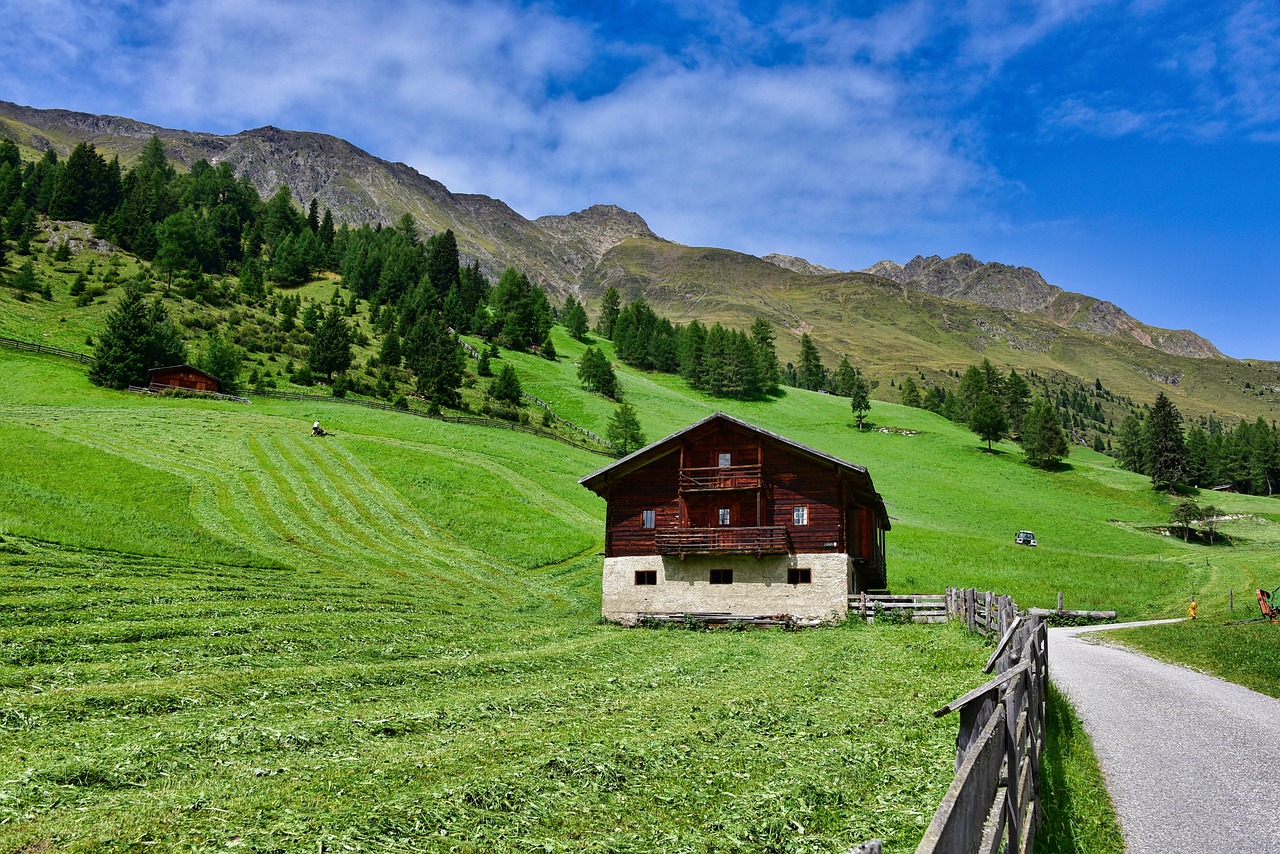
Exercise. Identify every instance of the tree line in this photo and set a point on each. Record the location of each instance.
(1209, 454)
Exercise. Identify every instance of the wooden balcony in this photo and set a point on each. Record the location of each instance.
(714, 478)
(772, 540)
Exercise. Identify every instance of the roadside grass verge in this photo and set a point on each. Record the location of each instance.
(1247, 655)
(1078, 815)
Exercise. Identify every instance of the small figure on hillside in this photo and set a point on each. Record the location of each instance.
(316, 429)
(1191, 609)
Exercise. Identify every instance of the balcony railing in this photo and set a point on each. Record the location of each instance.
(711, 541)
(720, 477)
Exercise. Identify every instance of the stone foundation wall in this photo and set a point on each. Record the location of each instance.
(759, 586)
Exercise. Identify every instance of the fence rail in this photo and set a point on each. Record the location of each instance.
(606, 450)
(28, 347)
(993, 804)
(921, 607)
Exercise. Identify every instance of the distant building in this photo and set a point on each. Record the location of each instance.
(183, 377)
(724, 517)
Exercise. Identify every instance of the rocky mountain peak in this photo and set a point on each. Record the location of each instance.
(599, 228)
(798, 265)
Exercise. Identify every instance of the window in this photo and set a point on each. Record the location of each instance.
(722, 576)
(646, 577)
(724, 515)
(648, 518)
(726, 460)
(800, 515)
(799, 576)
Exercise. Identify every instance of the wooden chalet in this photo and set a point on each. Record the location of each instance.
(184, 377)
(723, 517)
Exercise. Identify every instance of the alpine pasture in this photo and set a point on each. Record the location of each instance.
(221, 632)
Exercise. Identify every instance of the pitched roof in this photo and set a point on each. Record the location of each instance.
(656, 450)
(184, 368)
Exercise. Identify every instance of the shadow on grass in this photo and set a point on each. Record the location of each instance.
(1078, 815)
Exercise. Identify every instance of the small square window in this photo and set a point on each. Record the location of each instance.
(722, 576)
(646, 577)
(726, 460)
(648, 518)
(799, 576)
(800, 515)
(724, 515)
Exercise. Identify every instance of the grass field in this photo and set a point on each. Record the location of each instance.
(217, 631)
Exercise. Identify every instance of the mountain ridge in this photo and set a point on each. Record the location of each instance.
(945, 313)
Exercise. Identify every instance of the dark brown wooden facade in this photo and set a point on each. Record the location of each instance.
(724, 486)
(183, 377)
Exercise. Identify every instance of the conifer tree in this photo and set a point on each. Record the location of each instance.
(610, 308)
(859, 397)
(574, 317)
(596, 373)
(766, 355)
(909, 393)
(389, 353)
(330, 350)
(1017, 395)
(624, 431)
(506, 387)
(137, 337)
(1042, 436)
(434, 355)
(987, 418)
(1167, 452)
(810, 373)
(223, 359)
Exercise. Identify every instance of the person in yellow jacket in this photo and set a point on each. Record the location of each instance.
(1191, 610)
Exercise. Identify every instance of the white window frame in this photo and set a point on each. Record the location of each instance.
(726, 459)
(800, 514)
(648, 518)
(725, 516)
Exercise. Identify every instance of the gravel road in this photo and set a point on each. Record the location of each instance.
(1192, 762)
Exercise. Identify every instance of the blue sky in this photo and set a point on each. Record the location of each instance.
(1127, 150)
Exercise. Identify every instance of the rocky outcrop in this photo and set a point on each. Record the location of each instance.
(798, 265)
(963, 277)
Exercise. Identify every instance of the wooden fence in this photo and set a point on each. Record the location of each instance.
(993, 804)
(604, 449)
(919, 607)
(28, 347)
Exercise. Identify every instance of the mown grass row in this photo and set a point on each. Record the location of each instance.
(218, 630)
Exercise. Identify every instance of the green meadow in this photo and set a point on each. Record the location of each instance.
(219, 633)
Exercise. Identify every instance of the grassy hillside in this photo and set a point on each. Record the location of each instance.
(893, 331)
(220, 631)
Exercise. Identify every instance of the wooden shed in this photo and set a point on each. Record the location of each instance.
(725, 517)
(183, 377)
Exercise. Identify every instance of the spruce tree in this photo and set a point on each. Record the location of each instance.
(909, 393)
(766, 355)
(506, 387)
(610, 308)
(137, 337)
(1167, 453)
(1042, 437)
(810, 373)
(859, 397)
(987, 418)
(624, 431)
(596, 373)
(330, 350)
(574, 317)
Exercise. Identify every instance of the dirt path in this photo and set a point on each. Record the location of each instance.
(1192, 762)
